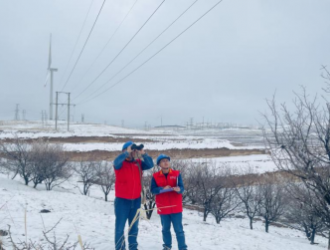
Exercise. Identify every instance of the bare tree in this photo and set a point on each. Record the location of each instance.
(251, 200)
(224, 203)
(189, 178)
(18, 157)
(300, 212)
(272, 203)
(299, 142)
(326, 76)
(48, 164)
(88, 175)
(105, 177)
(209, 184)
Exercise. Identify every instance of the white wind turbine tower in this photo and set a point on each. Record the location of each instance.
(50, 73)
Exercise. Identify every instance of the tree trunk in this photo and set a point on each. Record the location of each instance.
(48, 186)
(267, 226)
(105, 196)
(312, 237)
(85, 189)
(26, 179)
(251, 223)
(205, 215)
(15, 175)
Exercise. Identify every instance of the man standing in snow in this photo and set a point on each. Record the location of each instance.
(168, 187)
(128, 186)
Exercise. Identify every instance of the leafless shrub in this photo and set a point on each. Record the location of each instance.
(224, 203)
(150, 197)
(249, 196)
(48, 242)
(300, 212)
(48, 164)
(300, 145)
(273, 203)
(88, 175)
(209, 183)
(39, 162)
(105, 177)
(186, 168)
(18, 158)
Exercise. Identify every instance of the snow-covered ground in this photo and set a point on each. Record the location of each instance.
(160, 145)
(38, 129)
(241, 164)
(93, 219)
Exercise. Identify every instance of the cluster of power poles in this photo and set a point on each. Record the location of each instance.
(56, 108)
(17, 114)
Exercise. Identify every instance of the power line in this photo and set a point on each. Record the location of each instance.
(75, 46)
(110, 39)
(83, 48)
(146, 61)
(139, 52)
(126, 44)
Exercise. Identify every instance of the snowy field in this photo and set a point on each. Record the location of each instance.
(93, 219)
(257, 164)
(160, 145)
(38, 129)
(157, 139)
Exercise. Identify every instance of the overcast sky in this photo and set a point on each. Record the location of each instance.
(223, 68)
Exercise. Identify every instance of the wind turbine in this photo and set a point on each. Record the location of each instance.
(50, 74)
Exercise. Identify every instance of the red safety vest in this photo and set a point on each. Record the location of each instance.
(128, 180)
(169, 198)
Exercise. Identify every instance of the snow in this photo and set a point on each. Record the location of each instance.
(93, 219)
(254, 163)
(164, 145)
(37, 130)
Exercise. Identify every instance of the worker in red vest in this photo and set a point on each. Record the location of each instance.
(128, 187)
(168, 187)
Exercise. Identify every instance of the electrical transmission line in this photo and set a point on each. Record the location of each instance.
(83, 48)
(125, 45)
(76, 43)
(106, 45)
(145, 48)
(151, 57)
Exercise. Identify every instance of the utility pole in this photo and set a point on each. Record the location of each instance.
(51, 72)
(68, 112)
(82, 118)
(68, 127)
(17, 112)
(56, 110)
